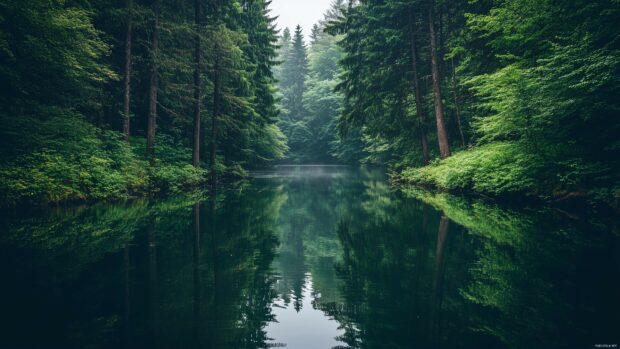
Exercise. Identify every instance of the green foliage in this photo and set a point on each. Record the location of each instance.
(60, 63)
(50, 54)
(292, 86)
(544, 111)
(310, 104)
(495, 169)
(71, 160)
(67, 160)
(172, 179)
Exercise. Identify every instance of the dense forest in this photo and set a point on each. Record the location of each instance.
(507, 98)
(402, 173)
(107, 99)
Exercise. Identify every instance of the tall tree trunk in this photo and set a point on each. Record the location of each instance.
(456, 104)
(197, 85)
(442, 134)
(416, 89)
(127, 80)
(216, 113)
(150, 133)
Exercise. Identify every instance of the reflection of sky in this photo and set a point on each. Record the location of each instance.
(310, 328)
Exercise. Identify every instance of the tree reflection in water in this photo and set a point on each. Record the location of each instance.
(355, 263)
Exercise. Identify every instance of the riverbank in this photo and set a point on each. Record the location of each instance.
(68, 160)
(503, 171)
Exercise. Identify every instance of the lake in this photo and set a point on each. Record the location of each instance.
(308, 257)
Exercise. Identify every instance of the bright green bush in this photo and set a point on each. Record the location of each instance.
(65, 158)
(495, 169)
(167, 178)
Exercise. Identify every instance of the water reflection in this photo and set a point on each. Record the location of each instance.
(306, 257)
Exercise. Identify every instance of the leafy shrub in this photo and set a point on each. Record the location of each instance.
(64, 158)
(495, 169)
(174, 179)
(236, 171)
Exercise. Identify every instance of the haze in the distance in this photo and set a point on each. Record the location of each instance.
(302, 12)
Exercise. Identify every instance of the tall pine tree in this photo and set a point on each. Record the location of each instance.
(293, 86)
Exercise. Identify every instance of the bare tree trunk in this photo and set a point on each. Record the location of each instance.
(150, 133)
(197, 85)
(216, 113)
(127, 80)
(418, 94)
(442, 134)
(456, 103)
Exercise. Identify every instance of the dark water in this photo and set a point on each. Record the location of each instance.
(308, 257)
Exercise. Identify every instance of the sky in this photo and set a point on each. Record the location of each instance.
(302, 12)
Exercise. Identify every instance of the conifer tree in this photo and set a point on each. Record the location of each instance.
(127, 72)
(153, 81)
(292, 86)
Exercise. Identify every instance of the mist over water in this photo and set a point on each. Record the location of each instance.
(307, 171)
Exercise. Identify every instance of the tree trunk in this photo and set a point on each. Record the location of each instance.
(127, 80)
(416, 89)
(456, 104)
(197, 86)
(150, 133)
(216, 112)
(442, 134)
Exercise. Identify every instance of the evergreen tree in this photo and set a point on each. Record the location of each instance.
(314, 34)
(197, 82)
(153, 80)
(293, 86)
(501, 71)
(294, 75)
(127, 72)
(176, 85)
(284, 48)
(442, 133)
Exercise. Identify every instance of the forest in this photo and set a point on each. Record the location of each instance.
(309, 174)
(113, 99)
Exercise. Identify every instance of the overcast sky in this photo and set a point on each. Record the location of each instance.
(302, 12)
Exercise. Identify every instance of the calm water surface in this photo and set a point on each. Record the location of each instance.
(308, 257)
